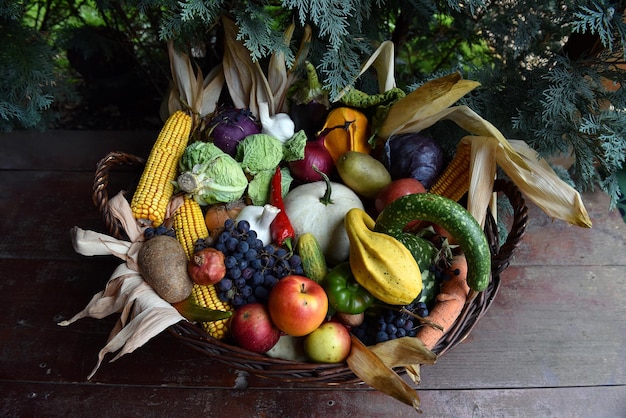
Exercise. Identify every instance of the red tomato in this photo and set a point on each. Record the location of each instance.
(395, 189)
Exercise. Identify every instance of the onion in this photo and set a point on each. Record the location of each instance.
(315, 155)
(218, 213)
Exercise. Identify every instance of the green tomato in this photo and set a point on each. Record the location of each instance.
(344, 293)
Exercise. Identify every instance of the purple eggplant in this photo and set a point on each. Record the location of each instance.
(309, 106)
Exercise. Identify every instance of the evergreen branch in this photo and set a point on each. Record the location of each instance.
(598, 20)
(257, 32)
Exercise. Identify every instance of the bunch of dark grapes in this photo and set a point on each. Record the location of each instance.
(252, 269)
(388, 324)
(151, 232)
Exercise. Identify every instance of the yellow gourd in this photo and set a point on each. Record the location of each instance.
(381, 263)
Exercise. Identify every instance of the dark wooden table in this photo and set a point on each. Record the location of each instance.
(552, 344)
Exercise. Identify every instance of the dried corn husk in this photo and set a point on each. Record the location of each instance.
(541, 184)
(404, 351)
(431, 103)
(382, 60)
(482, 162)
(143, 314)
(212, 89)
(277, 74)
(190, 90)
(247, 83)
(408, 352)
(421, 108)
(535, 178)
(373, 371)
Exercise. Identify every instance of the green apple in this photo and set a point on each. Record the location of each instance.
(329, 343)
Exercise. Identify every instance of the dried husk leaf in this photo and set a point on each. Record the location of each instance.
(409, 352)
(413, 371)
(469, 120)
(403, 351)
(535, 178)
(424, 104)
(212, 89)
(301, 54)
(143, 314)
(277, 74)
(246, 82)
(541, 185)
(182, 75)
(190, 91)
(187, 84)
(382, 60)
(373, 371)
(482, 162)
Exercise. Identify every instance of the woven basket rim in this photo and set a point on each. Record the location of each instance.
(287, 371)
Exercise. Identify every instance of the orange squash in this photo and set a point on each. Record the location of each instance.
(346, 129)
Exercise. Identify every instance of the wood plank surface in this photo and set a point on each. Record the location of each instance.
(552, 344)
(69, 150)
(84, 400)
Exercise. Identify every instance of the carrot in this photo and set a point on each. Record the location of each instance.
(450, 301)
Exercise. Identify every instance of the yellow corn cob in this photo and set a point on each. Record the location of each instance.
(455, 179)
(206, 295)
(155, 185)
(189, 226)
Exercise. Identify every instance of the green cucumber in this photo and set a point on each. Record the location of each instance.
(313, 261)
(451, 216)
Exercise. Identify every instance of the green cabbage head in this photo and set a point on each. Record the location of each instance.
(210, 175)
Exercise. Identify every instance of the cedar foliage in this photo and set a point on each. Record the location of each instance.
(544, 66)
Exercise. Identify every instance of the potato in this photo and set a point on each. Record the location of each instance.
(163, 265)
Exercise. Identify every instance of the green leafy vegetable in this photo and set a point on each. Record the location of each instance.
(210, 175)
(260, 185)
(293, 148)
(259, 152)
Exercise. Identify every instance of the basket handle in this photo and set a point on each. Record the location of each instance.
(100, 195)
(501, 256)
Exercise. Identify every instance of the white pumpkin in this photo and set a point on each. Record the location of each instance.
(320, 208)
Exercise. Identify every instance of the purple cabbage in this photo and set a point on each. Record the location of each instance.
(414, 155)
(229, 126)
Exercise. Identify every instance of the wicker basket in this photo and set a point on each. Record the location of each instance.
(313, 373)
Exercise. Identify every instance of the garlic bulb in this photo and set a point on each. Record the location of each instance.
(279, 126)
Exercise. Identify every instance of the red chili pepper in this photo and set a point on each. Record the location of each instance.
(281, 229)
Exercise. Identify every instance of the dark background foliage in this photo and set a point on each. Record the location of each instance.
(551, 72)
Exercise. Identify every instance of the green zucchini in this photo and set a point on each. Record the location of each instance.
(451, 216)
(313, 261)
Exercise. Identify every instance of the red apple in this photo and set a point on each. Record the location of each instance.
(297, 305)
(395, 189)
(329, 343)
(252, 328)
